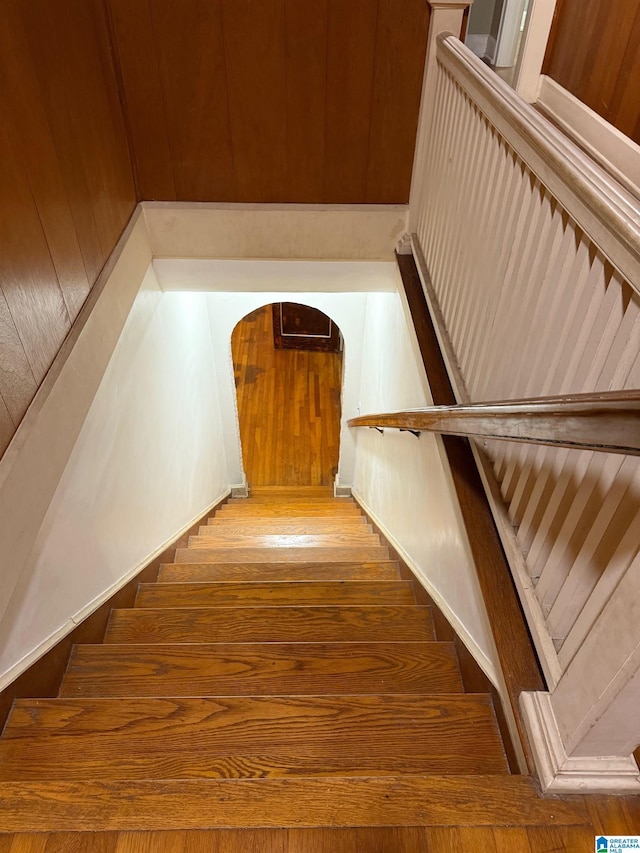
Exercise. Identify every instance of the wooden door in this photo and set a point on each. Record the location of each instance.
(301, 327)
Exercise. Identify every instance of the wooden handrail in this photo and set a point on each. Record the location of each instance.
(609, 421)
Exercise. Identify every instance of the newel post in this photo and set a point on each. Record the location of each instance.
(583, 733)
(446, 16)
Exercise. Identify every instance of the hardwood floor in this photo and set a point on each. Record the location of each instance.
(288, 406)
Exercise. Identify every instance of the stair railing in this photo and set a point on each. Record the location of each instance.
(529, 258)
(608, 422)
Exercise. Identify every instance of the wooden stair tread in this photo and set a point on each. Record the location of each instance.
(250, 539)
(246, 554)
(255, 593)
(281, 644)
(247, 737)
(486, 800)
(287, 524)
(248, 669)
(203, 572)
(368, 623)
(300, 511)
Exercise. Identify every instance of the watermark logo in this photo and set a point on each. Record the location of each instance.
(616, 843)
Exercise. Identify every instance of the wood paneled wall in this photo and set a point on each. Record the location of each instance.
(66, 185)
(272, 100)
(594, 52)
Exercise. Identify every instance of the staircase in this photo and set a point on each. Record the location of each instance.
(278, 673)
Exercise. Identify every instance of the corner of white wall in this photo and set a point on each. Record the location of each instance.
(108, 467)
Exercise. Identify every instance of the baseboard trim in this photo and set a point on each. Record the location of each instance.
(479, 656)
(341, 490)
(562, 774)
(473, 662)
(518, 664)
(40, 673)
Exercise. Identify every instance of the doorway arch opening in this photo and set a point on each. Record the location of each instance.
(288, 370)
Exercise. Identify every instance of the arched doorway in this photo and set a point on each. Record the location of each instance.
(289, 406)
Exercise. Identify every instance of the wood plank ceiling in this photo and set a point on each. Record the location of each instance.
(272, 101)
(594, 52)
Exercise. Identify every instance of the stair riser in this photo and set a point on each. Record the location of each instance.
(259, 525)
(277, 555)
(284, 540)
(301, 511)
(286, 594)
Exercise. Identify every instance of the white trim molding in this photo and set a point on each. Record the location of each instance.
(533, 49)
(618, 154)
(560, 773)
(49, 642)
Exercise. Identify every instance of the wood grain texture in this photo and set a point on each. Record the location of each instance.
(286, 525)
(44, 677)
(339, 509)
(17, 381)
(399, 839)
(397, 88)
(66, 183)
(243, 669)
(135, 46)
(594, 52)
(29, 282)
(205, 572)
(250, 737)
(324, 624)
(306, 41)
(83, 111)
(352, 32)
(254, 50)
(255, 593)
(242, 554)
(311, 101)
(216, 538)
(608, 421)
(197, 116)
(38, 153)
(288, 409)
(197, 804)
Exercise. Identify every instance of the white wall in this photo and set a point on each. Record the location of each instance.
(306, 231)
(148, 461)
(226, 281)
(132, 435)
(405, 484)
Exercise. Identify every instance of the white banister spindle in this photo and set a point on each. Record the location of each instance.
(446, 16)
(533, 256)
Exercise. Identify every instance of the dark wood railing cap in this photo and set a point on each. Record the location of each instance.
(607, 421)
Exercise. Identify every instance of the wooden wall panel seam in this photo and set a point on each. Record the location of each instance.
(67, 182)
(228, 105)
(594, 52)
(113, 46)
(376, 60)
